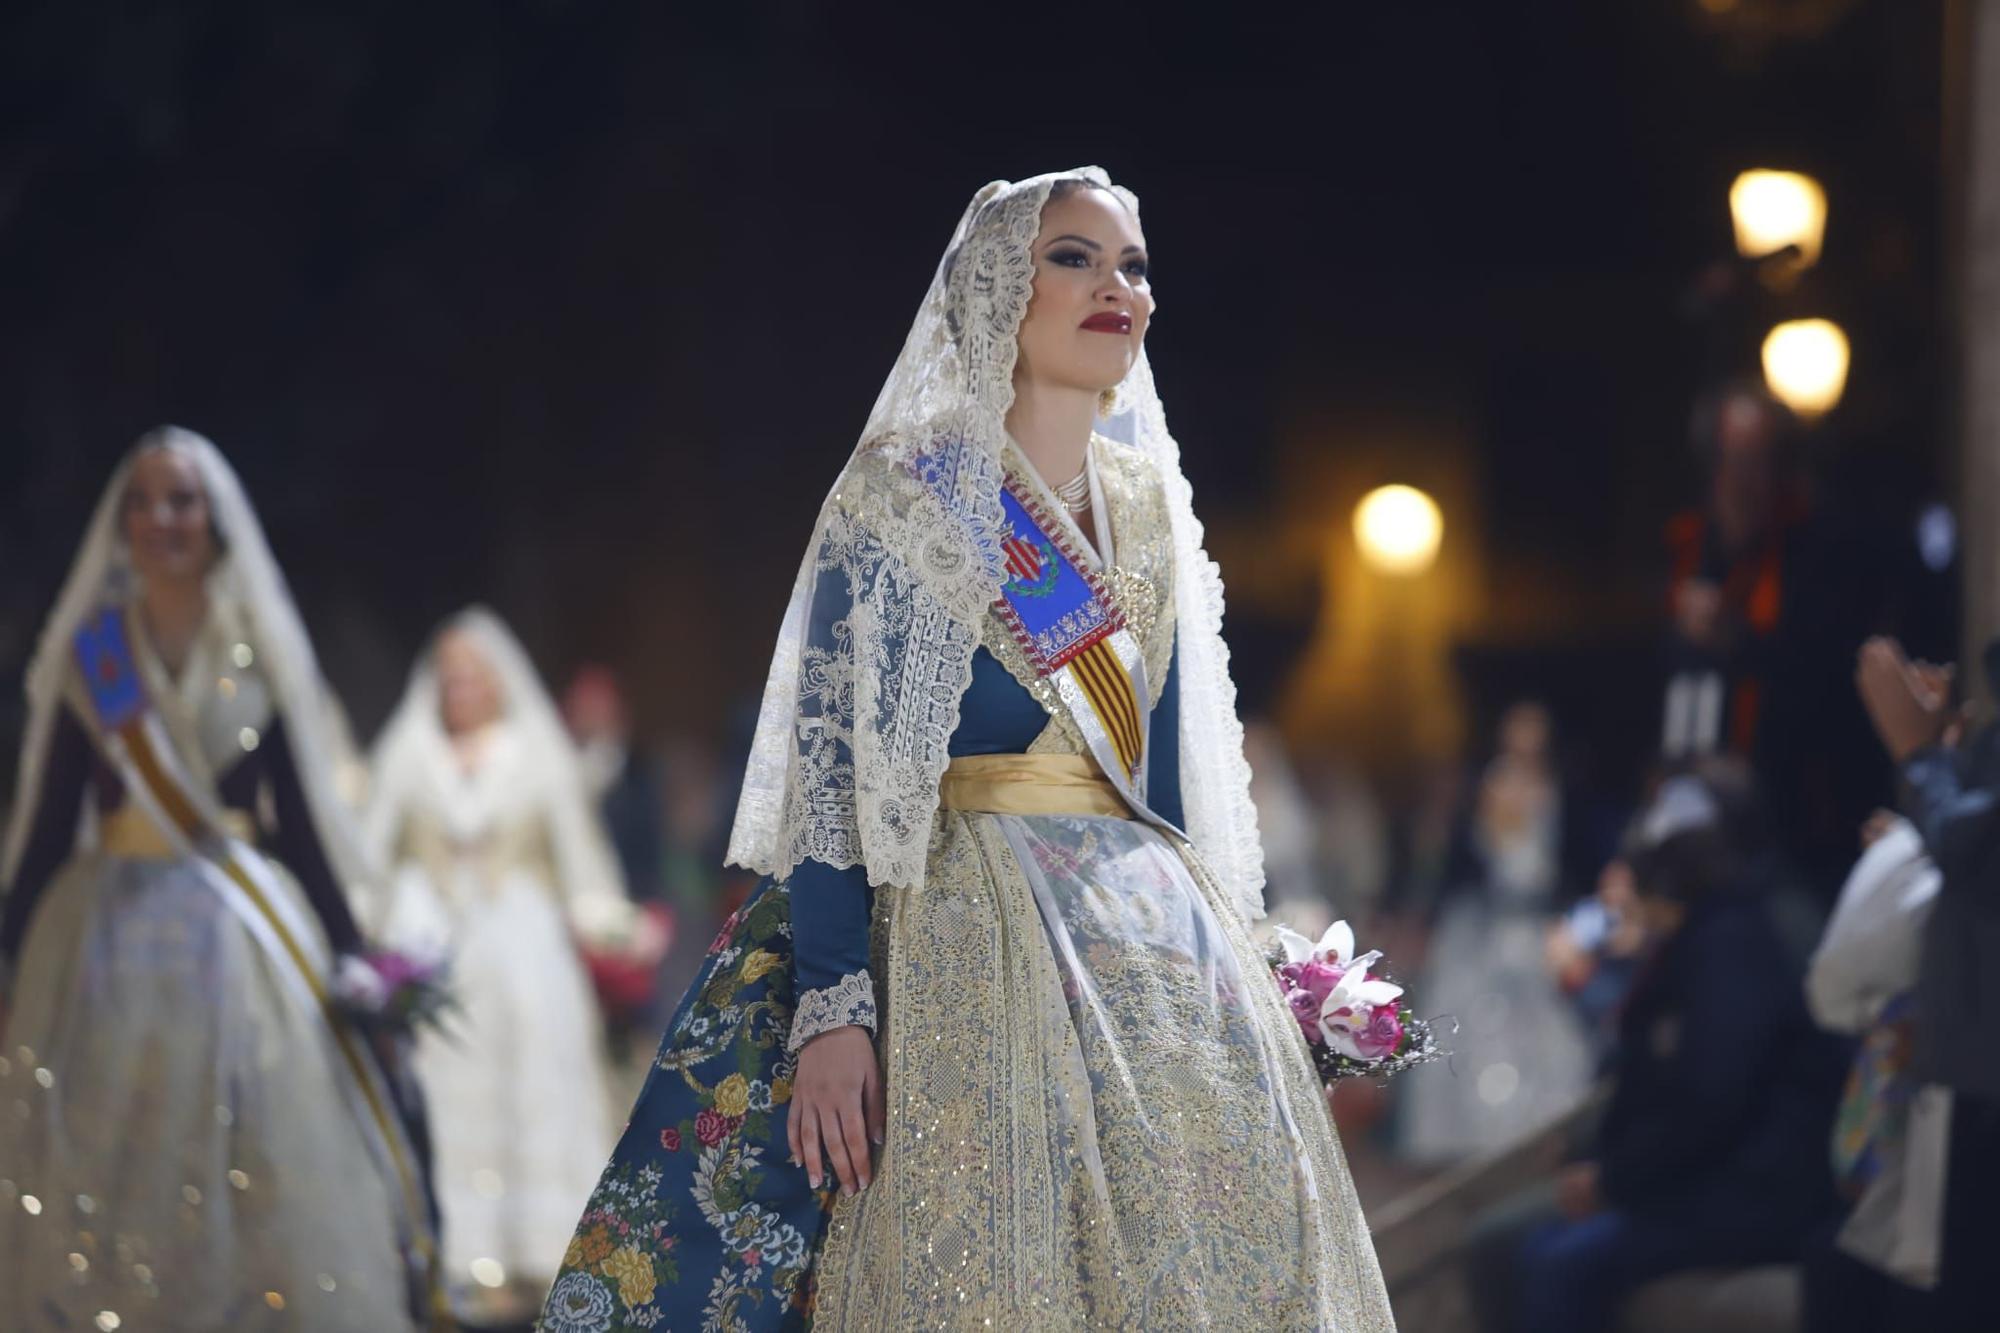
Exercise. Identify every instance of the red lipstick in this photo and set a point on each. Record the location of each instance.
(1109, 321)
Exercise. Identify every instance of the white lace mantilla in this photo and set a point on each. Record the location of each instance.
(849, 1002)
(876, 648)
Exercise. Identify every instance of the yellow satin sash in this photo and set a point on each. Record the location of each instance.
(1030, 784)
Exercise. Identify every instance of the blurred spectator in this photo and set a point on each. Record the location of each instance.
(1712, 1151)
(622, 779)
(1594, 952)
(695, 805)
(1889, 1143)
(1766, 603)
(624, 783)
(1728, 575)
(1953, 798)
(1521, 1058)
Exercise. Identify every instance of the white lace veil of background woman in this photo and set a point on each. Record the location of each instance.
(413, 746)
(858, 712)
(246, 579)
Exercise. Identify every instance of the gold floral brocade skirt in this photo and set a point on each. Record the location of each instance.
(1100, 1110)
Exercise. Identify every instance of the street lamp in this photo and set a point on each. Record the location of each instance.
(1774, 209)
(1805, 365)
(1398, 529)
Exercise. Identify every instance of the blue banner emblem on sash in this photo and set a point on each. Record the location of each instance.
(110, 674)
(1057, 611)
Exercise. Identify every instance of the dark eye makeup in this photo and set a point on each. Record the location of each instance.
(1138, 266)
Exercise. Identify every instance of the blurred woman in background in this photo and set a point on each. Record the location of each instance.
(1522, 1058)
(499, 861)
(197, 1140)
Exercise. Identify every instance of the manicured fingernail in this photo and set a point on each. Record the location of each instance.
(879, 1140)
(813, 1181)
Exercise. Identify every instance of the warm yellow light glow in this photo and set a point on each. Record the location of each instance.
(1805, 365)
(1774, 209)
(1398, 529)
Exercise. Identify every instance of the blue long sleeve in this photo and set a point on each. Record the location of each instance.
(830, 914)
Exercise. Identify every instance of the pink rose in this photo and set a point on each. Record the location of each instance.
(1382, 1033)
(1306, 1009)
(1288, 975)
(670, 1139)
(710, 1126)
(1319, 978)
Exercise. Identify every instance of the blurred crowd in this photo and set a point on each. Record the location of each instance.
(1747, 997)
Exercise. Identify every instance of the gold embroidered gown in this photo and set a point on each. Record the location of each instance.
(1100, 1112)
(179, 1149)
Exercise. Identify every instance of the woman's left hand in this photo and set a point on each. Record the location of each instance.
(837, 1108)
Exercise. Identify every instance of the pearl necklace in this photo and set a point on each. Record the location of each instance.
(1075, 493)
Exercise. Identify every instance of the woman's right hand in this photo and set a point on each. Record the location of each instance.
(837, 1112)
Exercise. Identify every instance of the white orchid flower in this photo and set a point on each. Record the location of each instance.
(1348, 1006)
(1336, 946)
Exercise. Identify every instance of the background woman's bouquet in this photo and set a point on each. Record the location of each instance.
(389, 991)
(1354, 1018)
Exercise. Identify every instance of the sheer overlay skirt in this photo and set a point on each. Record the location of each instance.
(176, 1147)
(1101, 1114)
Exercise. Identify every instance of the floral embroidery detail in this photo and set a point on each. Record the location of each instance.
(760, 963)
(849, 1002)
(594, 1245)
(633, 1272)
(708, 1131)
(732, 1097)
(578, 1304)
(711, 1127)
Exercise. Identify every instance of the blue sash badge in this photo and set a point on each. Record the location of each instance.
(110, 674)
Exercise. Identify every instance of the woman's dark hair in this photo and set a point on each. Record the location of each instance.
(1716, 855)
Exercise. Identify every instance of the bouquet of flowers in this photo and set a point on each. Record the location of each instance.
(387, 990)
(1354, 1019)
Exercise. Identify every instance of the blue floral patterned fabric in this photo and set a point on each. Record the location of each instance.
(699, 1209)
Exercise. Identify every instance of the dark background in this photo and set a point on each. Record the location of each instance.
(576, 309)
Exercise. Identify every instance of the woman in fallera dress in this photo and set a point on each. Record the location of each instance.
(498, 862)
(997, 992)
(194, 1140)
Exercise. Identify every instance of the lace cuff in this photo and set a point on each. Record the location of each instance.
(849, 1002)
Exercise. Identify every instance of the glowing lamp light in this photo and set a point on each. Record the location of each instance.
(1398, 529)
(1774, 209)
(1805, 365)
